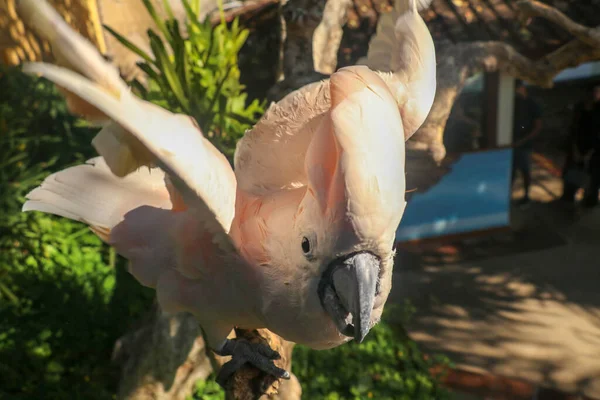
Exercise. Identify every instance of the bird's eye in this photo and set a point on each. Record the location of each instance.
(306, 247)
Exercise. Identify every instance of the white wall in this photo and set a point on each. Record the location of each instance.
(506, 98)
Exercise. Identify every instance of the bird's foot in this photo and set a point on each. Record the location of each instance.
(242, 351)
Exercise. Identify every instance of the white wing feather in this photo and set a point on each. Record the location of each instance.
(202, 176)
(90, 193)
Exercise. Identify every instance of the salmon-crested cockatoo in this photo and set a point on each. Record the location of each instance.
(298, 237)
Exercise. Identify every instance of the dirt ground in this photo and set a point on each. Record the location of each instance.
(519, 304)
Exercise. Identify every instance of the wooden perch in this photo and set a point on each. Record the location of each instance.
(248, 383)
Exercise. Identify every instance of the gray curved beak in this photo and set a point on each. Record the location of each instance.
(351, 288)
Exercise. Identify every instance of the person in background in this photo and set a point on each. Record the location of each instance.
(527, 124)
(583, 148)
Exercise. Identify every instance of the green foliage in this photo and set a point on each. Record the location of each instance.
(36, 134)
(62, 305)
(387, 365)
(197, 75)
(208, 390)
(31, 143)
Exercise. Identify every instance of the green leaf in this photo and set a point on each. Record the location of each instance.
(168, 70)
(240, 118)
(181, 62)
(157, 20)
(5, 291)
(125, 42)
(13, 160)
(211, 41)
(195, 7)
(219, 87)
(192, 10)
(143, 92)
(167, 5)
(221, 11)
(149, 71)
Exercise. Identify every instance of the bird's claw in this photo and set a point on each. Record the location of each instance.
(242, 351)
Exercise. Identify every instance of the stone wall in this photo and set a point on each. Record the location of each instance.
(128, 17)
(18, 43)
(131, 19)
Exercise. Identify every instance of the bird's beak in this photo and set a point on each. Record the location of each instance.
(347, 291)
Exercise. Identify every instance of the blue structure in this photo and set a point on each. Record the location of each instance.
(474, 196)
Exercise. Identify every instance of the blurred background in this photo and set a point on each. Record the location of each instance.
(495, 287)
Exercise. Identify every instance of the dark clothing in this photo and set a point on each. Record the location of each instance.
(522, 162)
(584, 137)
(585, 131)
(569, 189)
(526, 112)
(590, 197)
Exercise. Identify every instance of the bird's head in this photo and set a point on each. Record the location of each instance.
(345, 225)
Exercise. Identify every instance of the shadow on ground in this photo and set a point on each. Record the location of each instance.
(522, 304)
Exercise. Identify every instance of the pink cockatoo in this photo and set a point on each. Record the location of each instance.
(298, 237)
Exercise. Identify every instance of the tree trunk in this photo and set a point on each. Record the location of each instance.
(162, 359)
(300, 19)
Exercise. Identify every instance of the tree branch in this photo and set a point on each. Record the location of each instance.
(460, 61)
(244, 11)
(300, 20)
(533, 8)
(328, 35)
(570, 55)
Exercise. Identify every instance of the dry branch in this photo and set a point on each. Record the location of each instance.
(245, 11)
(328, 35)
(300, 19)
(533, 8)
(458, 62)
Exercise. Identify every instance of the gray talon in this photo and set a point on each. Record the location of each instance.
(241, 351)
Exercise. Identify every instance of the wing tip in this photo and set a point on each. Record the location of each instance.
(40, 16)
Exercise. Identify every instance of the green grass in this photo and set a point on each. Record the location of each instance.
(63, 302)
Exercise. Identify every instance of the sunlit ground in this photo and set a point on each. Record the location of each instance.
(529, 308)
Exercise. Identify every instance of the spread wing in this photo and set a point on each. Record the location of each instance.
(136, 132)
(270, 157)
(184, 252)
